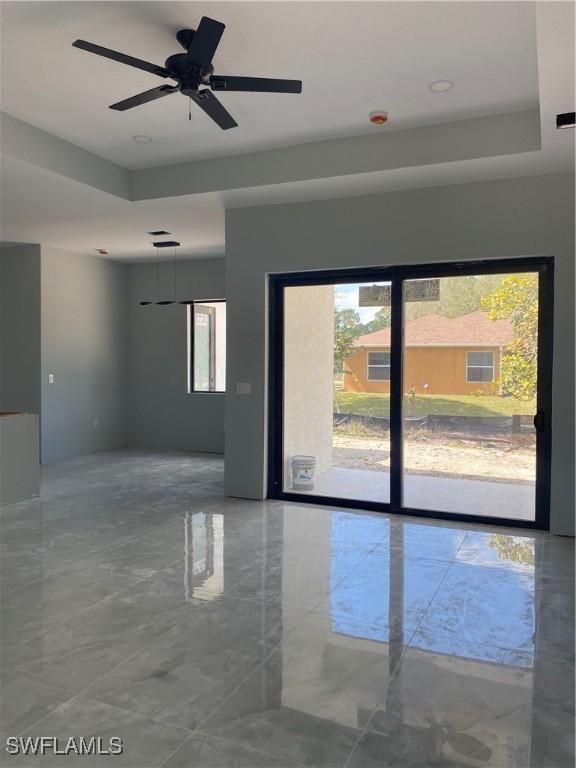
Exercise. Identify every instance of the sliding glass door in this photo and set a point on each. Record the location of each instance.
(415, 389)
(336, 391)
(470, 354)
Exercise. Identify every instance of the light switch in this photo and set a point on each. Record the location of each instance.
(243, 388)
(50, 378)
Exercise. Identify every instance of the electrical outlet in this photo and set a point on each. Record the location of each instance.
(243, 388)
(95, 423)
(50, 378)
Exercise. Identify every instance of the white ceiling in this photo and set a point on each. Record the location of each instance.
(353, 57)
(39, 206)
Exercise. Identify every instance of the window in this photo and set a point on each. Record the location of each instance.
(378, 366)
(479, 366)
(207, 346)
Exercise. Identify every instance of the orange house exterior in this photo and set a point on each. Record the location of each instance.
(443, 356)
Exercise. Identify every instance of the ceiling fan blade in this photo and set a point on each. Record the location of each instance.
(254, 84)
(144, 98)
(214, 109)
(122, 58)
(204, 43)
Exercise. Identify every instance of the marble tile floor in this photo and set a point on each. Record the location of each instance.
(205, 632)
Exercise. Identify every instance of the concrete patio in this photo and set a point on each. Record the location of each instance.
(446, 494)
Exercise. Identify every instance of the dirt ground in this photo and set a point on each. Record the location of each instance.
(503, 457)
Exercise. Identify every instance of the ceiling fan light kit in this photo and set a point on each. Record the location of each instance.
(194, 74)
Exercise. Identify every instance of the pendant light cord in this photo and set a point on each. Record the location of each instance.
(174, 276)
(157, 275)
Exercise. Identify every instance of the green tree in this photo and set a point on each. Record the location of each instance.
(382, 319)
(347, 327)
(516, 299)
(458, 296)
(514, 549)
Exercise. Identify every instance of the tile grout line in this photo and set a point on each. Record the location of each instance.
(306, 614)
(405, 647)
(74, 615)
(85, 691)
(171, 755)
(252, 672)
(80, 694)
(212, 737)
(277, 647)
(166, 722)
(92, 553)
(82, 691)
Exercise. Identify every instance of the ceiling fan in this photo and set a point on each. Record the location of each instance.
(191, 71)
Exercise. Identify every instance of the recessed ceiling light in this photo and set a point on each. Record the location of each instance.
(141, 139)
(441, 86)
(379, 117)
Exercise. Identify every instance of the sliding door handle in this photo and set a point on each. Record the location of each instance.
(540, 421)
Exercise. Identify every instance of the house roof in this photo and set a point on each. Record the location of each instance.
(473, 329)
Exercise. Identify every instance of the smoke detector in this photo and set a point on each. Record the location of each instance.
(379, 117)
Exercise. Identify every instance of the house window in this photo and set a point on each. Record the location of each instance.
(207, 346)
(378, 366)
(479, 366)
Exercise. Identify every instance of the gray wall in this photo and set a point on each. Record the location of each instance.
(161, 412)
(20, 328)
(495, 219)
(309, 375)
(85, 345)
(19, 464)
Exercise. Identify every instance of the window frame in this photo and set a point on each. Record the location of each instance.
(468, 366)
(377, 365)
(192, 347)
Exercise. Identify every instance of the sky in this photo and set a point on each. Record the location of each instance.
(347, 298)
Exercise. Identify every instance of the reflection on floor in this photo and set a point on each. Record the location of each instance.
(444, 494)
(211, 632)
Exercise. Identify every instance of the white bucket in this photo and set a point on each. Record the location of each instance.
(303, 471)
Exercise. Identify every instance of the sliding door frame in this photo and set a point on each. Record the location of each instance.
(397, 275)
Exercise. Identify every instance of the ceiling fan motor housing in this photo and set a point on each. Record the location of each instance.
(184, 37)
(189, 75)
(193, 72)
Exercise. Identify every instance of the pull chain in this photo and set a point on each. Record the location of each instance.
(189, 109)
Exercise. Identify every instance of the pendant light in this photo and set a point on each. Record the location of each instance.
(169, 244)
(164, 302)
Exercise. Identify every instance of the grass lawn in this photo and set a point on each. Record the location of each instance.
(443, 405)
